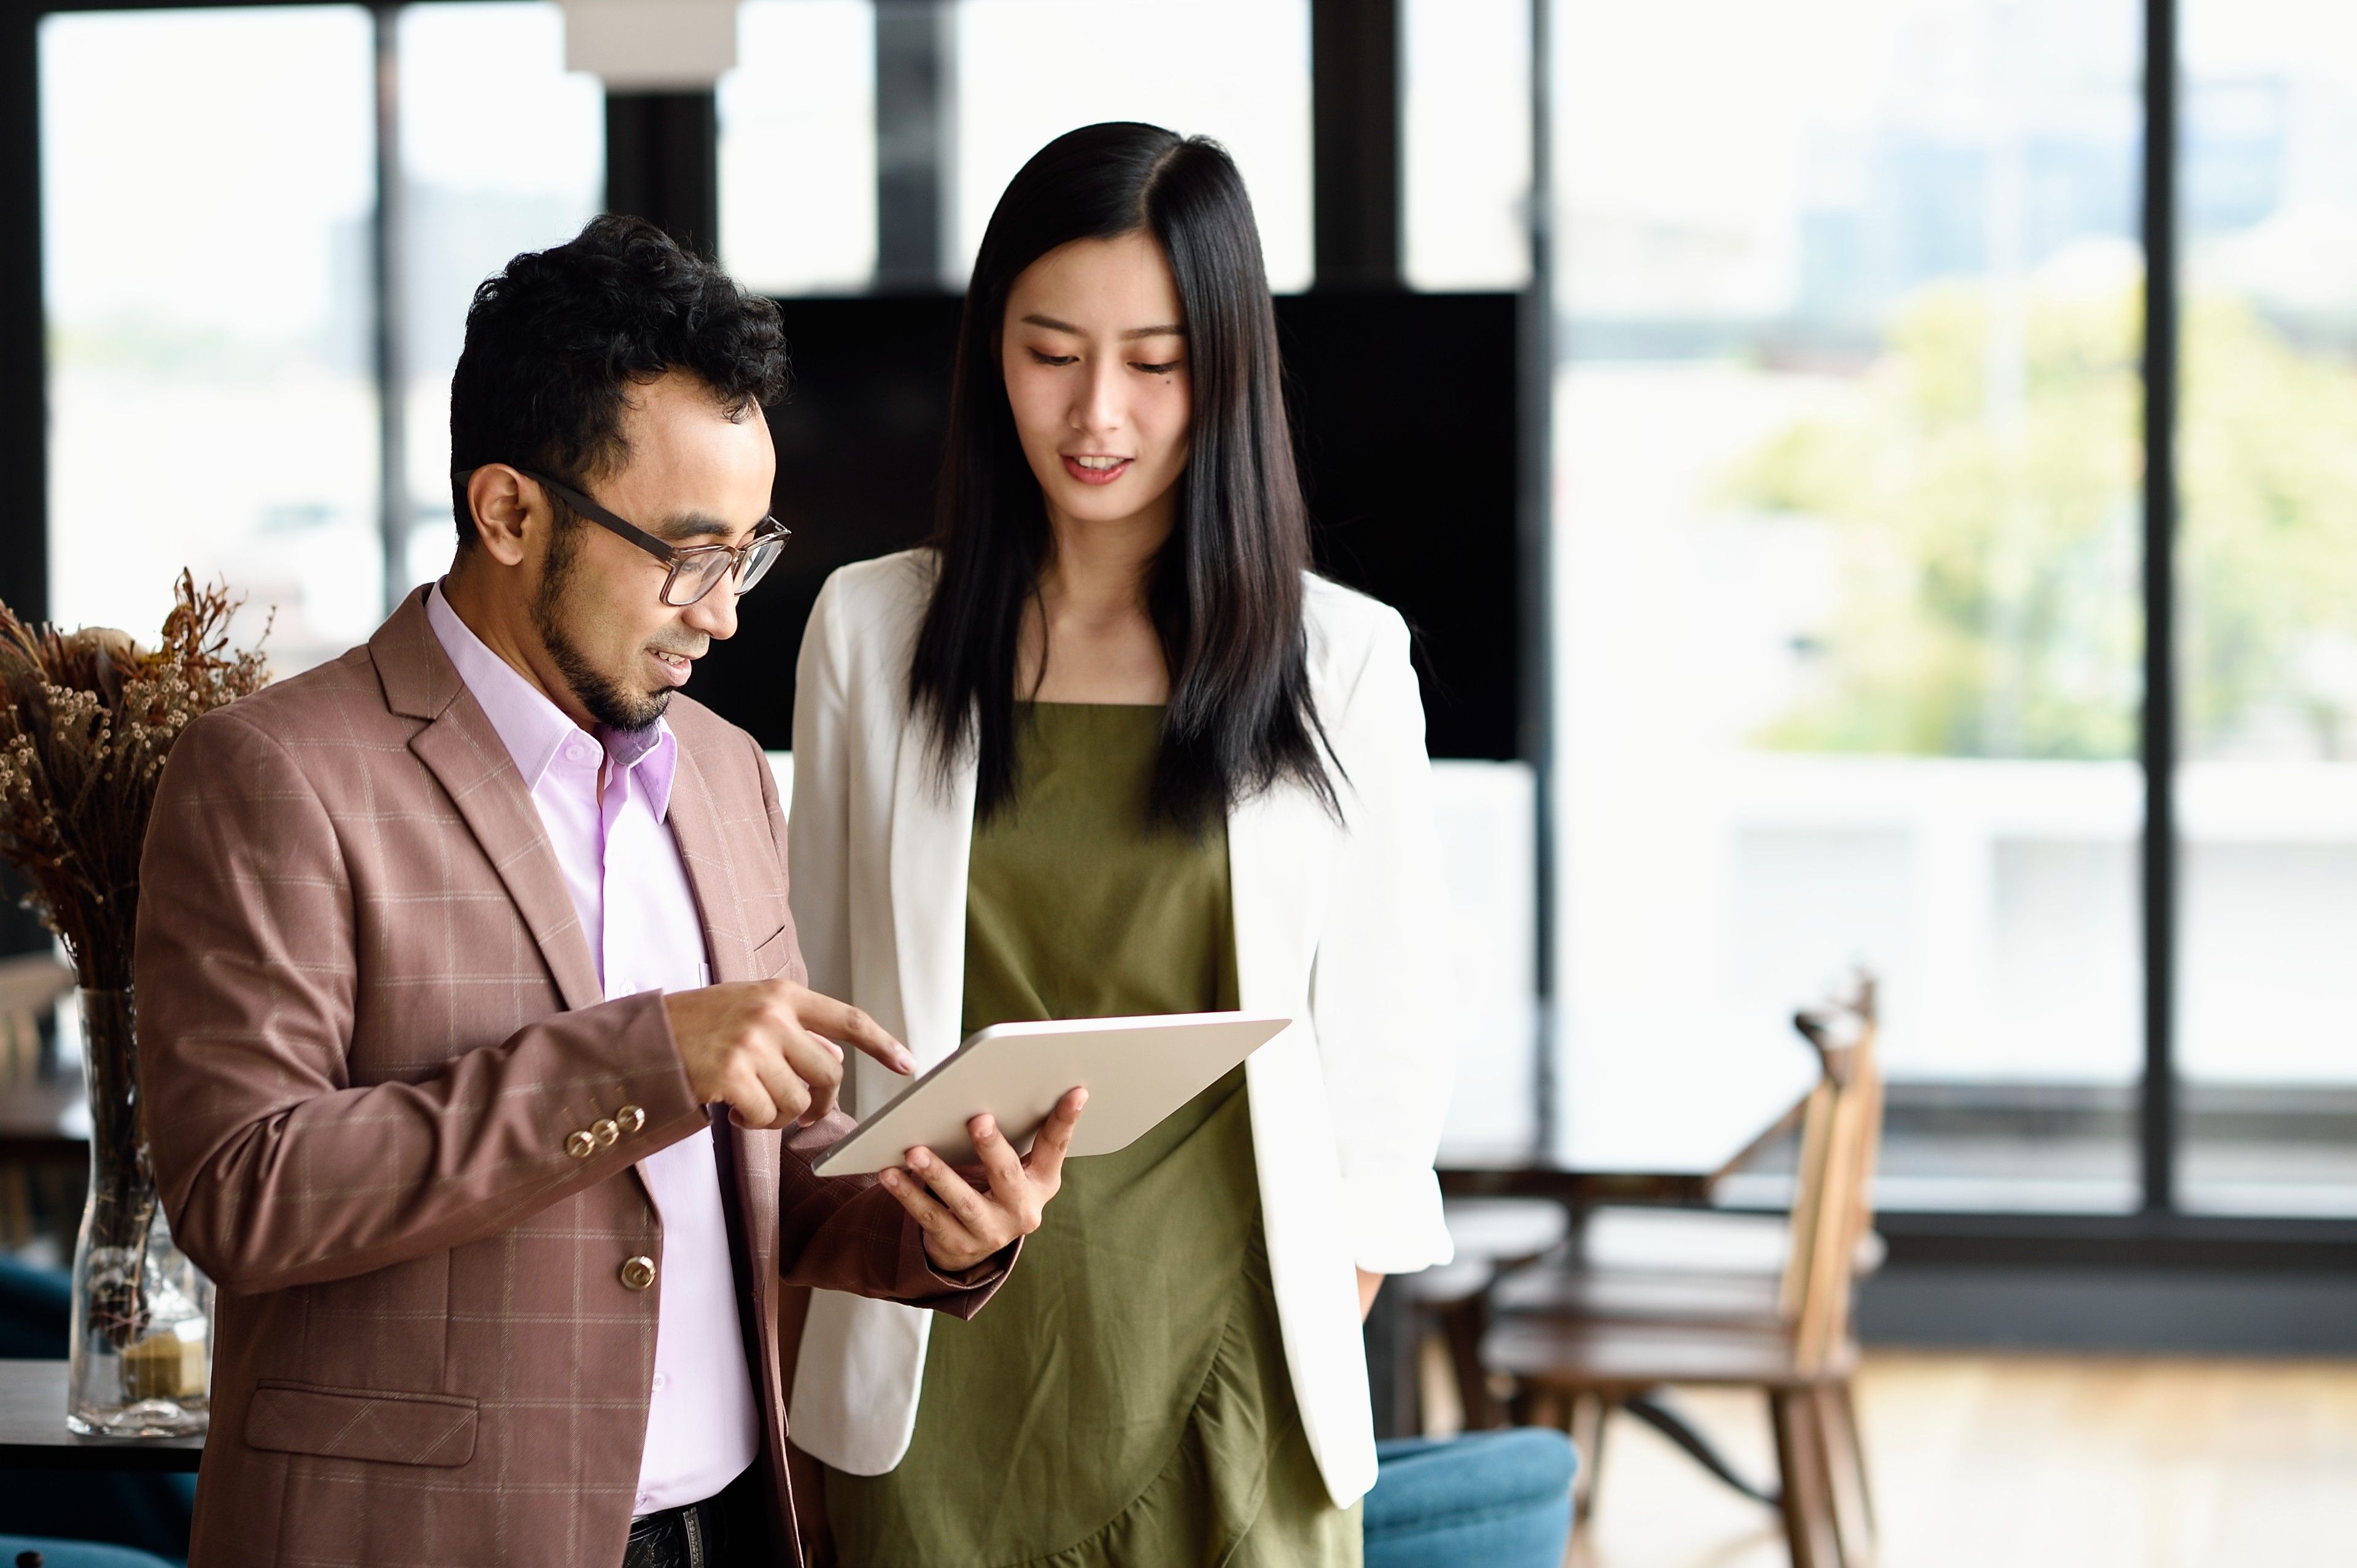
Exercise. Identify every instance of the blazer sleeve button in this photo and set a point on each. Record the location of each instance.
(637, 1274)
(581, 1145)
(631, 1117)
(605, 1132)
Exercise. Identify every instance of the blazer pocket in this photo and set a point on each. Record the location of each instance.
(360, 1424)
(771, 956)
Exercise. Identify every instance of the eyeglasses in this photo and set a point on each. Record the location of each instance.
(694, 570)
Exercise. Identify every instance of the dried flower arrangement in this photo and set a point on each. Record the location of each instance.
(86, 720)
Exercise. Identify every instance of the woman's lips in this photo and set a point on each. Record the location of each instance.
(675, 666)
(1095, 476)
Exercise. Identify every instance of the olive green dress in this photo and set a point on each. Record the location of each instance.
(1124, 1400)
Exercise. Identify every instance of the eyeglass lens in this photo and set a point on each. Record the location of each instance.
(697, 575)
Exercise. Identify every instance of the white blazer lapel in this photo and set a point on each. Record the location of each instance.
(932, 841)
(854, 1405)
(1281, 847)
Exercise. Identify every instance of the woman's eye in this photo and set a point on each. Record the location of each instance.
(1039, 358)
(1162, 370)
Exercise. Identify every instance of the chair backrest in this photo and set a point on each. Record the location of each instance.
(1832, 1201)
(30, 987)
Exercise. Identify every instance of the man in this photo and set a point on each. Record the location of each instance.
(454, 953)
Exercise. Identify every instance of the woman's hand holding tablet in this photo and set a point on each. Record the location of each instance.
(963, 1226)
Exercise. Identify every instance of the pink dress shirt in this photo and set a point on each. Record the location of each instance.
(623, 868)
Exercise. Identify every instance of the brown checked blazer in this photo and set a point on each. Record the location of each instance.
(394, 1121)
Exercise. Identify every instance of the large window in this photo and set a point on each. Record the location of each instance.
(2267, 579)
(213, 290)
(1847, 602)
(1028, 70)
(1464, 144)
(502, 151)
(208, 180)
(798, 147)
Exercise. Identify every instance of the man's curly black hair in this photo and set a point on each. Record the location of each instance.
(557, 337)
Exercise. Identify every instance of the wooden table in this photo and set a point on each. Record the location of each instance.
(33, 1432)
(1689, 1184)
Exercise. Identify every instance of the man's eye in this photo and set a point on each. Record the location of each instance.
(1039, 358)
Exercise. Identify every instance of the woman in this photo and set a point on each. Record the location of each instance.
(1108, 748)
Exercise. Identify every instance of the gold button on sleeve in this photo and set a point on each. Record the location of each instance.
(637, 1274)
(606, 1131)
(632, 1118)
(580, 1145)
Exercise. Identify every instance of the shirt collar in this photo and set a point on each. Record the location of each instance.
(535, 730)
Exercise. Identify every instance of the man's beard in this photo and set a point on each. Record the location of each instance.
(607, 703)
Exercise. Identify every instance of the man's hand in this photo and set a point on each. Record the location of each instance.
(767, 1047)
(965, 1224)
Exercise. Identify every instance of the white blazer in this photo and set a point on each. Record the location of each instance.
(1333, 928)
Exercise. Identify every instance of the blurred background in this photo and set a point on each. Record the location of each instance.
(1875, 482)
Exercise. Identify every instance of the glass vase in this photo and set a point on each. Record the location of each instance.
(142, 1354)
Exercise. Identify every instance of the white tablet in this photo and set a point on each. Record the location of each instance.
(1137, 1071)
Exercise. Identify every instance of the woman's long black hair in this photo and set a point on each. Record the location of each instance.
(1225, 590)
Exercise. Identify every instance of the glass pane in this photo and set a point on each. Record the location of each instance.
(207, 180)
(1465, 143)
(1847, 606)
(2267, 654)
(502, 151)
(1028, 70)
(798, 147)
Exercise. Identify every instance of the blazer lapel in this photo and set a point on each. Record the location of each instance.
(462, 750)
(711, 870)
(1280, 845)
(932, 842)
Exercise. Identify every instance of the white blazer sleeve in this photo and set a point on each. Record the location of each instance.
(818, 836)
(1379, 991)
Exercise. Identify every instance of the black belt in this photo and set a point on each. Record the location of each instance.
(718, 1532)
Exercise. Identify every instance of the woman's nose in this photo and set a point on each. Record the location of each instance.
(1099, 406)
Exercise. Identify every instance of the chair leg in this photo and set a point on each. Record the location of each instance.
(1462, 1324)
(1583, 1423)
(1807, 1510)
(1852, 1496)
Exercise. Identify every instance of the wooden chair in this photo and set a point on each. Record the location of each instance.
(1602, 1343)
(30, 987)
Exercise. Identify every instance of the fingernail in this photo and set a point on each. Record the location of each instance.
(890, 1178)
(906, 1063)
(983, 1127)
(917, 1159)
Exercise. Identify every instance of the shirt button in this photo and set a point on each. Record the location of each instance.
(659, 1381)
(577, 749)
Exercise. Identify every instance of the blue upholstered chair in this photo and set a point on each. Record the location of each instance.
(1501, 1500)
(133, 1510)
(41, 1551)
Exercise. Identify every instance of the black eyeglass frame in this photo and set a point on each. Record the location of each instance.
(767, 532)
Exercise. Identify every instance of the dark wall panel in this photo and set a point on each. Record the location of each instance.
(1405, 421)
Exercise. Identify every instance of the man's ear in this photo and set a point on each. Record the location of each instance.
(507, 510)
